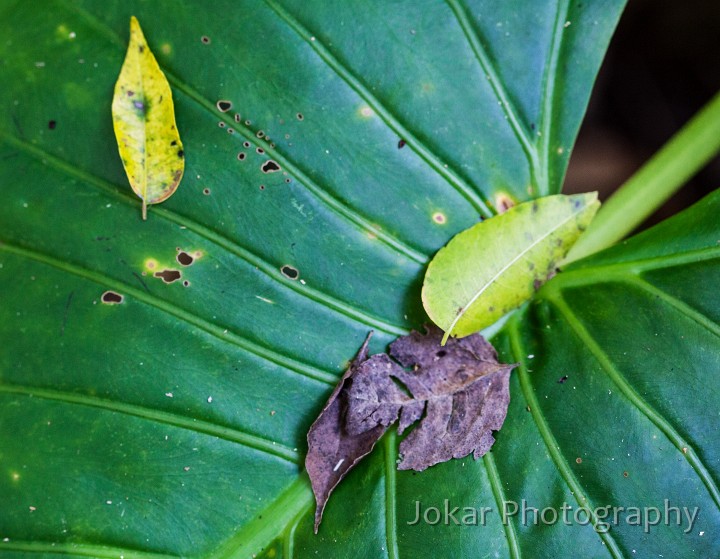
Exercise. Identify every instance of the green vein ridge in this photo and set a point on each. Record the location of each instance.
(227, 433)
(551, 443)
(638, 401)
(303, 369)
(451, 176)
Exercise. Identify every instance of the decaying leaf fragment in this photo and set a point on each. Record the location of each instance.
(459, 392)
(332, 451)
(144, 123)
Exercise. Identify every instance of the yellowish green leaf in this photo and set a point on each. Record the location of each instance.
(495, 266)
(144, 123)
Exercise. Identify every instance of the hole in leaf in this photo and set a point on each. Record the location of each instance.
(223, 105)
(111, 298)
(168, 276)
(290, 272)
(184, 258)
(270, 166)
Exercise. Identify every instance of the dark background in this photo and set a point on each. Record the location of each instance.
(663, 65)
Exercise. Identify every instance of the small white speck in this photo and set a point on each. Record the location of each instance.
(702, 533)
(25, 205)
(567, 24)
(209, 399)
(531, 356)
(337, 466)
(186, 468)
(169, 394)
(32, 509)
(108, 205)
(108, 502)
(81, 61)
(302, 281)
(312, 38)
(40, 64)
(72, 34)
(6, 540)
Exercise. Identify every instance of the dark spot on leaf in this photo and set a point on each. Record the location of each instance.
(221, 124)
(205, 39)
(206, 191)
(173, 143)
(262, 187)
(288, 181)
(625, 474)
(537, 284)
(532, 126)
(401, 144)
(223, 106)
(290, 272)
(141, 48)
(241, 155)
(246, 144)
(181, 153)
(300, 116)
(52, 124)
(535, 207)
(130, 93)
(186, 283)
(139, 105)
(237, 117)
(270, 167)
(111, 298)
(562, 379)
(168, 276)
(231, 131)
(248, 122)
(260, 151)
(260, 134)
(184, 258)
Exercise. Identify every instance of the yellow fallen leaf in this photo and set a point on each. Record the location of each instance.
(144, 123)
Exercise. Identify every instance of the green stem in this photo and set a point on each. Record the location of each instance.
(684, 155)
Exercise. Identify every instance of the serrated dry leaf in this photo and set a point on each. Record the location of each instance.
(459, 392)
(144, 123)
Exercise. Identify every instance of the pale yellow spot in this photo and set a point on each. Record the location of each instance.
(439, 218)
(366, 111)
(151, 263)
(15, 476)
(198, 254)
(561, 150)
(503, 202)
(166, 48)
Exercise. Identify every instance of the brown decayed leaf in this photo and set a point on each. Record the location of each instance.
(459, 392)
(332, 451)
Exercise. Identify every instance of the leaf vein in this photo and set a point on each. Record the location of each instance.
(391, 120)
(638, 401)
(577, 490)
(191, 424)
(265, 353)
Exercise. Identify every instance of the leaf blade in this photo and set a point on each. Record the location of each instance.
(144, 124)
(523, 247)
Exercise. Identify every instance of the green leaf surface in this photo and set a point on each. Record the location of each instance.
(174, 423)
(495, 266)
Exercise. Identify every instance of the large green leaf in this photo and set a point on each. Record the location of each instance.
(174, 422)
